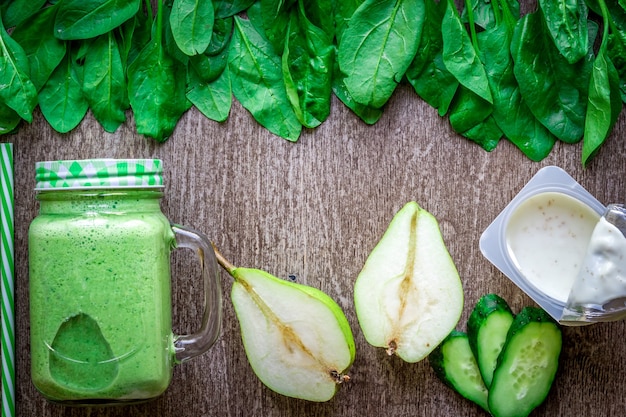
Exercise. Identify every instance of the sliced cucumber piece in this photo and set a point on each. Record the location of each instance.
(454, 363)
(487, 329)
(527, 364)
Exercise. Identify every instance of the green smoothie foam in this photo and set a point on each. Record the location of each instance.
(100, 296)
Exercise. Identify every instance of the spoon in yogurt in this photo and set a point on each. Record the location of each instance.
(598, 293)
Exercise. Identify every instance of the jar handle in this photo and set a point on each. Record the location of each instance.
(192, 345)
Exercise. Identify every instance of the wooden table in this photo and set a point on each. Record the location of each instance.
(315, 209)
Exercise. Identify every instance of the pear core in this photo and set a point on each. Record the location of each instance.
(408, 296)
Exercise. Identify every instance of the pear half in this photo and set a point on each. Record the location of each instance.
(408, 296)
(297, 339)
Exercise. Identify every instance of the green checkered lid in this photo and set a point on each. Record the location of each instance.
(98, 173)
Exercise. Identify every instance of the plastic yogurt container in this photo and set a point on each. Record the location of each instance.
(540, 239)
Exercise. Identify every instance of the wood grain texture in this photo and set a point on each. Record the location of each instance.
(315, 209)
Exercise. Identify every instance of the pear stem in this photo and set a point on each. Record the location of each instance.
(223, 261)
(339, 378)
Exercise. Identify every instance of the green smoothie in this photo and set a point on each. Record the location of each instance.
(100, 298)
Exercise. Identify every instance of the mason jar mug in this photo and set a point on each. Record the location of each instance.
(100, 286)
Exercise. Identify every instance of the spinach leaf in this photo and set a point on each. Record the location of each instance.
(307, 65)
(61, 99)
(485, 12)
(44, 51)
(343, 12)
(616, 52)
(378, 46)
(191, 22)
(133, 35)
(213, 99)
(104, 82)
(487, 134)
(471, 109)
(321, 14)
(222, 34)
(228, 8)
(604, 106)
(427, 73)
(616, 47)
(255, 16)
(567, 24)
(435, 84)
(617, 12)
(169, 43)
(460, 54)
(156, 87)
(510, 111)
(83, 19)
(16, 89)
(257, 81)
(9, 119)
(554, 90)
(275, 15)
(19, 10)
(210, 65)
(605, 102)
(368, 114)
(468, 110)
(431, 41)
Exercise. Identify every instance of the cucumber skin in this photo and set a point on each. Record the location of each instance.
(437, 361)
(503, 400)
(487, 305)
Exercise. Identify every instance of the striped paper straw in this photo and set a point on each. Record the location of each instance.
(7, 257)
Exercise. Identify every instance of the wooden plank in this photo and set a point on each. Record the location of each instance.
(315, 209)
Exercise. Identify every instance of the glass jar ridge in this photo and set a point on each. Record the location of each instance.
(96, 201)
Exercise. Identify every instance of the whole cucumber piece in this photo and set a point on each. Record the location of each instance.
(487, 329)
(455, 365)
(527, 364)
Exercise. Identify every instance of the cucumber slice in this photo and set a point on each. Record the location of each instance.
(454, 363)
(527, 364)
(487, 328)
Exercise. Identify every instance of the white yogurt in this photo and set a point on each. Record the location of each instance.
(547, 237)
(602, 277)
